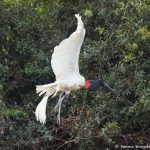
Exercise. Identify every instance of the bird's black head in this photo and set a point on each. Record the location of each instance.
(93, 85)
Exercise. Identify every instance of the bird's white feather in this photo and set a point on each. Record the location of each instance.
(40, 112)
(66, 54)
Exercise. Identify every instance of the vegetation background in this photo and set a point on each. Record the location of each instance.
(116, 48)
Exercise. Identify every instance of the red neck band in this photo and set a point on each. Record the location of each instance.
(87, 84)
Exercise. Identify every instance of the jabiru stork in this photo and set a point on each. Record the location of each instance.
(65, 66)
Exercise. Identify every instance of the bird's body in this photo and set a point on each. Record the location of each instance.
(64, 63)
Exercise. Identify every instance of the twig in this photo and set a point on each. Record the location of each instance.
(65, 143)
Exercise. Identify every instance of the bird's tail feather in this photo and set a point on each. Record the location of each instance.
(40, 111)
(48, 89)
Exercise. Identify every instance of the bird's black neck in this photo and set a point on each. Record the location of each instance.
(93, 85)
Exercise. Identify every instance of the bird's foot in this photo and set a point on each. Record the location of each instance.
(58, 119)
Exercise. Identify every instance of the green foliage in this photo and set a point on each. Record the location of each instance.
(116, 49)
(88, 13)
(110, 127)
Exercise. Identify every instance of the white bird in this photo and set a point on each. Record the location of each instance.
(65, 66)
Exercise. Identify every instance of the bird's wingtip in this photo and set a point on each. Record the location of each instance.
(77, 16)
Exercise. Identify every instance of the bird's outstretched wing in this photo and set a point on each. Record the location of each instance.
(65, 56)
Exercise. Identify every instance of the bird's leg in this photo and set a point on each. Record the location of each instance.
(58, 105)
(59, 109)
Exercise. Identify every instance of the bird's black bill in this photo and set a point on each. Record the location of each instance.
(108, 88)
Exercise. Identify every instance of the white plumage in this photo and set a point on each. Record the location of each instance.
(65, 66)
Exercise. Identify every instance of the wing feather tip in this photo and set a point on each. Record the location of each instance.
(77, 16)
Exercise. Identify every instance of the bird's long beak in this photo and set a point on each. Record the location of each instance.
(108, 88)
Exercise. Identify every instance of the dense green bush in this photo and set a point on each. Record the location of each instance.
(116, 48)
